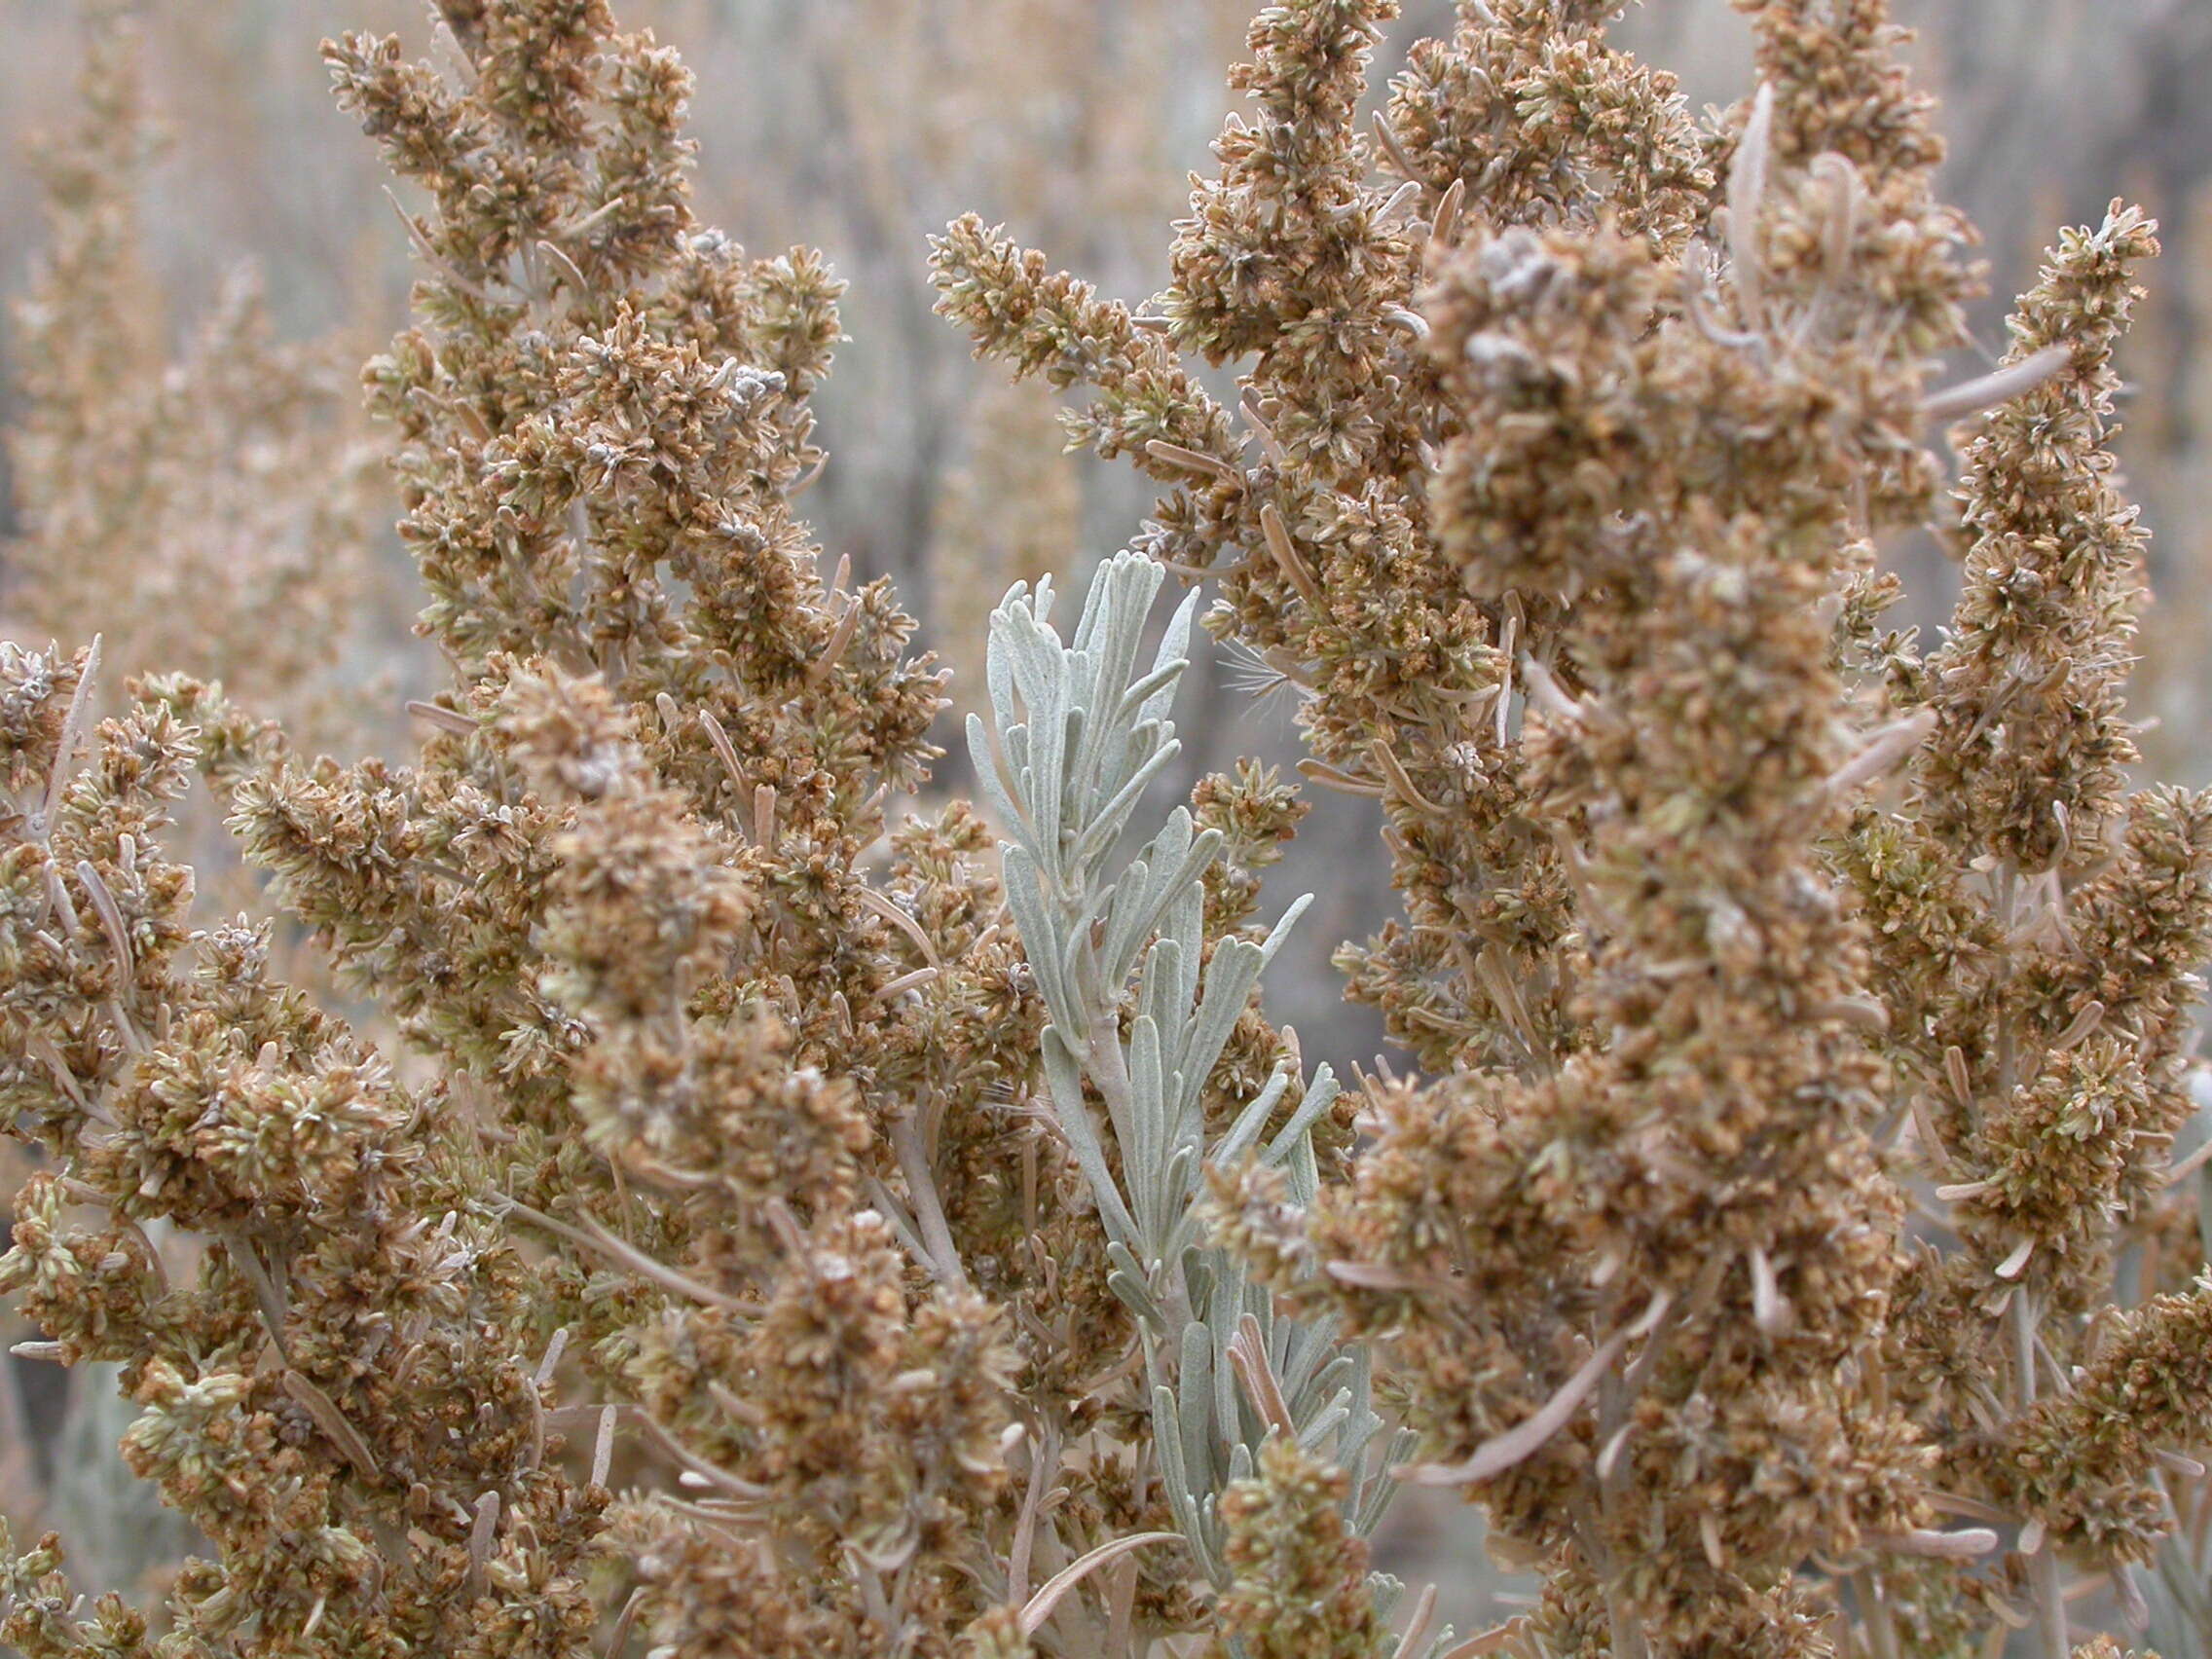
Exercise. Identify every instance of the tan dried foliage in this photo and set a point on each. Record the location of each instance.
(686, 1231)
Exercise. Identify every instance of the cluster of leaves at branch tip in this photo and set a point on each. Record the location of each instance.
(616, 1183)
(1141, 1004)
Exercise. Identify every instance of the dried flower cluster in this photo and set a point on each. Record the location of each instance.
(790, 1232)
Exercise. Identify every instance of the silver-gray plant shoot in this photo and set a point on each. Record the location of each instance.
(1141, 1006)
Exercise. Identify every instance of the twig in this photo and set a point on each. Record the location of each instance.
(1416, 1627)
(1192, 461)
(483, 1531)
(899, 919)
(1395, 150)
(1447, 218)
(1044, 1464)
(332, 1421)
(943, 1258)
(711, 1474)
(1286, 556)
(1747, 193)
(1999, 386)
(72, 733)
(627, 1255)
(1930, 1544)
(619, 1637)
(445, 720)
(1523, 1441)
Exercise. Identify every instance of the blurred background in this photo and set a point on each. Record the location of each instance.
(255, 260)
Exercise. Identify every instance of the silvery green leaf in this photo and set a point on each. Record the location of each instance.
(1157, 981)
(1198, 1275)
(1114, 645)
(1079, 976)
(1144, 1139)
(1230, 979)
(1035, 660)
(1137, 746)
(1178, 1180)
(1220, 1321)
(1124, 906)
(1144, 890)
(1064, 1076)
(1384, 1486)
(1305, 1174)
(1385, 1592)
(1098, 605)
(1072, 800)
(1024, 897)
(1172, 841)
(1122, 591)
(1230, 1148)
(1312, 1433)
(1174, 644)
(1186, 925)
(1311, 1362)
(1281, 929)
(1196, 1381)
(997, 782)
(1131, 1292)
(1109, 820)
(998, 663)
(1353, 1441)
(1320, 1094)
(1180, 1240)
(1021, 783)
(1133, 709)
(1175, 1477)
(1126, 935)
(1048, 741)
(1225, 1295)
(1123, 1259)
(2177, 1575)
(1239, 1463)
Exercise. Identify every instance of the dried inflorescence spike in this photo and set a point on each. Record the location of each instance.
(197, 1090)
(2083, 1463)
(41, 1618)
(1684, 1232)
(651, 929)
(1299, 1586)
(2027, 765)
(1286, 230)
(2041, 926)
(1545, 124)
(1660, 486)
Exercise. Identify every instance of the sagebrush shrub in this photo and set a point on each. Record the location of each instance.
(717, 1218)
